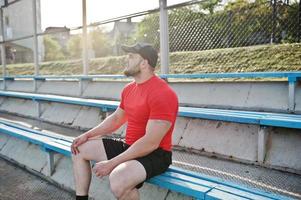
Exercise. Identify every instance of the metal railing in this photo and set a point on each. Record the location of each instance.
(212, 37)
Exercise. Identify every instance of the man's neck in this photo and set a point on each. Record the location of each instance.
(142, 77)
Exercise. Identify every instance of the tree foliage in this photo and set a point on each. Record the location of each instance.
(208, 25)
(74, 47)
(100, 43)
(53, 50)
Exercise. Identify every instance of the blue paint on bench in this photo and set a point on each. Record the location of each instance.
(176, 179)
(291, 76)
(249, 117)
(110, 105)
(26, 129)
(224, 185)
(237, 116)
(186, 188)
(58, 147)
(23, 135)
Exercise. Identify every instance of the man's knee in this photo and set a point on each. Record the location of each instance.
(90, 151)
(118, 185)
(78, 156)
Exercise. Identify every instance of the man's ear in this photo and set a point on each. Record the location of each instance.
(144, 63)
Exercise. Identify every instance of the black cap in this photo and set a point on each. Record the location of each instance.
(145, 50)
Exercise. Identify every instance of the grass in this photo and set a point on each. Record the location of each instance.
(283, 57)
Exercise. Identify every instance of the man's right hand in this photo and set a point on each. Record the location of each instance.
(77, 142)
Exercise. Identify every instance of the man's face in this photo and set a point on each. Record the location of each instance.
(133, 67)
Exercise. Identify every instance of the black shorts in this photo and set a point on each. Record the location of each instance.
(154, 163)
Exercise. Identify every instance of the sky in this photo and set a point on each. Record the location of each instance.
(69, 12)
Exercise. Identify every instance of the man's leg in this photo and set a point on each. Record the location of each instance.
(125, 177)
(131, 195)
(91, 150)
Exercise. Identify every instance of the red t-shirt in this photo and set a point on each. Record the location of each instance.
(152, 99)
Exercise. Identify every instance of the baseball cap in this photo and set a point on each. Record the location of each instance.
(145, 50)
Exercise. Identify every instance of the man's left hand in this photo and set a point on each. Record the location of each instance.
(103, 168)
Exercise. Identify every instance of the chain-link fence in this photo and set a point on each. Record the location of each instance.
(233, 37)
(204, 36)
(234, 25)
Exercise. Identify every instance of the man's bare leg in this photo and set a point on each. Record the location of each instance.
(132, 194)
(125, 177)
(91, 150)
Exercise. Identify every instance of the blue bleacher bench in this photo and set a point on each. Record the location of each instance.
(262, 119)
(237, 116)
(291, 77)
(196, 185)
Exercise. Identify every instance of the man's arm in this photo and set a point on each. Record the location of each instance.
(155, 131)
(110, 124)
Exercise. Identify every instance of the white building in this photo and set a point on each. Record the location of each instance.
(18, 23)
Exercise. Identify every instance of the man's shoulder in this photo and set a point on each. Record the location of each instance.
(163, 85)
(129, 85)
(162, 90)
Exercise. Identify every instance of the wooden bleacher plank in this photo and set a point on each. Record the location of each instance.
(250, 193)
(220, 117)
(190, 183)
(24, 135)
(57, 147)
(222, 184)
(26, 129)
(235, 75)
(190, 179)
(249, 117)
(64, 142)
(183, 187)
(217, 195)
(288, 75)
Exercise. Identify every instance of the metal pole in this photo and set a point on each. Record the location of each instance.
(230, 35)
(35, 42)
(85, 42)
(3, 53)
(299, 27)
(164, 40)
(274, 15)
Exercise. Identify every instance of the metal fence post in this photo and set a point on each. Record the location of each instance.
(274, 19)
(299, 23)
(164, 47)
(35, 43)
(3, 52)
(85, 42)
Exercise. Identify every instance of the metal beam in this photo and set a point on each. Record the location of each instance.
(3, 53)
(164, 47)
(291, 95)
(50, 162)
(35, 42)
(85, 41)
(263, 135)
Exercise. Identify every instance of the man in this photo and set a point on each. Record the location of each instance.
(149, 106)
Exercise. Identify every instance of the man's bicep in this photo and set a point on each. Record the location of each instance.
(120, 116)
(156, 130)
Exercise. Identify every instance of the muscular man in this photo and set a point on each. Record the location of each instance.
(149, 106)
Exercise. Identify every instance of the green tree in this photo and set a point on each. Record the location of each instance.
(74, 46)
(148, 30)
(53, 50)
(209, 5)
(100, 43)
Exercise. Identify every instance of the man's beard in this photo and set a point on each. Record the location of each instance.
(132, 71)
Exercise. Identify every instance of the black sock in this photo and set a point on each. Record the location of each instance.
(82, 197)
